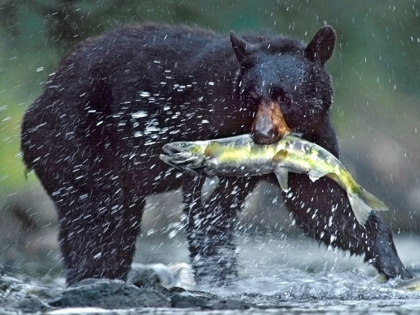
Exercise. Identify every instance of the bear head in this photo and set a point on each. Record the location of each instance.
(285, 82)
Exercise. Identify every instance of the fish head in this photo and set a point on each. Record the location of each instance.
(283, 82)
(184, 147)
(185, 156)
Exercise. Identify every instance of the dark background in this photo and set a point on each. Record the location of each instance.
(375, 72)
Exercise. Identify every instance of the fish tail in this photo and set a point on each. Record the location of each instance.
(362, 204)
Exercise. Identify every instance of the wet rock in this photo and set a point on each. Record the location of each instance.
(230, 305)
(188, 301)
(31, 304)
(23, 294)
(109, 294)
(205, 301)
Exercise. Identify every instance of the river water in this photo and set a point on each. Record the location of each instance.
(282, 275)
(296, 276)
(408, 306)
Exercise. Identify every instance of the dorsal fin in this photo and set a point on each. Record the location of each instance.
(280, 156)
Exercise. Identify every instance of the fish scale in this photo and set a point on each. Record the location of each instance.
(240, 156)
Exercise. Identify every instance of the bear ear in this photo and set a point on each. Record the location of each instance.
(241, 48)
(321, 46)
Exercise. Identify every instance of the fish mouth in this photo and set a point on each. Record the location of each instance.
(180, 156)
(176, 147)
(178, 160)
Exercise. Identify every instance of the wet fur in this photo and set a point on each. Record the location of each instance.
(98, 161)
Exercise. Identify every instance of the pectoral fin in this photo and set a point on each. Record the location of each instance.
(282, 175)
(209, 186)
(314, 175)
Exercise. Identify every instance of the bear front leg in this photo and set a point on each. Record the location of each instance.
(322, 210)
(210, 227)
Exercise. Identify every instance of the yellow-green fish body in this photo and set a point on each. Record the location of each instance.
(240, 156)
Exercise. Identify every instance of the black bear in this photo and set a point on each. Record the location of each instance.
(94, 136)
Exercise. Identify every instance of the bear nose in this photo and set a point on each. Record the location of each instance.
(268, 138)
(264, 134)
(269, 124)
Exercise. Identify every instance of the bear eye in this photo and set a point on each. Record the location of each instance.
(253, 97)
(281, 97)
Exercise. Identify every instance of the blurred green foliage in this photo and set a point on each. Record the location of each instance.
(375, 67)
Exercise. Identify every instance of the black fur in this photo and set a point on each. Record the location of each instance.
(94, 136)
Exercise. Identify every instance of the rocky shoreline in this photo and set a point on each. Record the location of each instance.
(26, 296)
